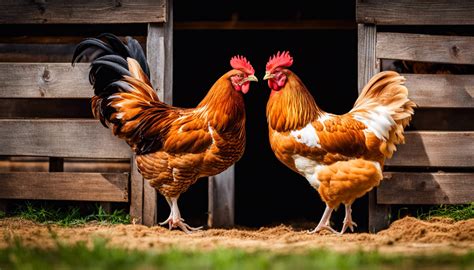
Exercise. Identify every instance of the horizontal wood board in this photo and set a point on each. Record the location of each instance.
(409, 12)
(60, 138)
(426, 188)
(86, 12)
(105, 187)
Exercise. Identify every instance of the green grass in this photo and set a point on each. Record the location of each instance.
(456, 212)
(69, 216)
(100, 256)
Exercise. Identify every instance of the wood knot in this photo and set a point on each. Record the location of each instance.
(455, 50)
(118, 3)
(46, 75)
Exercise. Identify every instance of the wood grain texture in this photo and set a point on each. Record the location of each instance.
(150, 209)
(435, 148)
(136, 196)
(106, 187)
(160, 57)
(426, 188)
(38, 80)
(86, 12)
(425, 48)
(222, 199)
(367, 65)
(441, 90)
(408, 12)
(60, 138)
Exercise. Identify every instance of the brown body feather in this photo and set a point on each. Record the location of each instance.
(338, 154)
(187, 143)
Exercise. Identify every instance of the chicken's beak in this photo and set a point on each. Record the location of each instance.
(251, 78)
(268, 75)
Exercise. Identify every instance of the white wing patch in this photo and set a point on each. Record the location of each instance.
(378, 121)
(309, 169)
(211, 131)
(307, 136)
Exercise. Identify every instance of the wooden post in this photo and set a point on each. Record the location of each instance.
(221, 199)
(136, 198)
(368, 66)
(159, 46)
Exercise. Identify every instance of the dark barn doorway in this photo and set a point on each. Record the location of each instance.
(322, 38)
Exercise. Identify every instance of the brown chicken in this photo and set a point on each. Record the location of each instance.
(174, 146)
(341, 156)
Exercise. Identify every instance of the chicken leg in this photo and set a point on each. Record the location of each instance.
(324, 222)
(175, 220)
(348, 223)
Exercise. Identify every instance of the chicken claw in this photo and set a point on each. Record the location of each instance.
(348, 223)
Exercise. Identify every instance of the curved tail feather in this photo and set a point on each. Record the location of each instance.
(124, 99)
(384, 107)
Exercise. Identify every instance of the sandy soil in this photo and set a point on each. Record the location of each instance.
(407, 236)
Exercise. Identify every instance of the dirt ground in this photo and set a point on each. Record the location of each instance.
(405, 236)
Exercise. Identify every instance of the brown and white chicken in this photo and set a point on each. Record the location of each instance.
(341, 156)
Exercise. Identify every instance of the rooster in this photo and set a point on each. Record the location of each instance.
(174, 146)
(341, 156)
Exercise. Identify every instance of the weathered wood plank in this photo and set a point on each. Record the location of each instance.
(136, 198)
(426, 48)
(106, 187)
(441, 90)
(368, 65)
(150, 209)
(41, 164)
(160, 57)
(435, 148)
(86, 12)
(426, 188)
(49, 80)
(221, 199)
(60, 138)
(408, 12)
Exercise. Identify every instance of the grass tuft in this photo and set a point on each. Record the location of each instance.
(70, 216)
(455, 212)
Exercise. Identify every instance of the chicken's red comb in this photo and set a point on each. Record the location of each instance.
(241, 63)
(283, 59)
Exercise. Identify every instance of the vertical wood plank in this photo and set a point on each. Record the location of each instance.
(368, 65)
(136, 198)
(221, 199)
(150, 212)
(159, 54)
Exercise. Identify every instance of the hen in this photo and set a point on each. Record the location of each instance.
(174, 146)
(341, 156)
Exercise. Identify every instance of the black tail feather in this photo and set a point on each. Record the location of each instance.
(109, 60)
